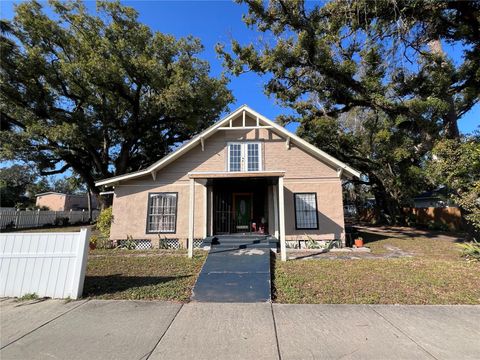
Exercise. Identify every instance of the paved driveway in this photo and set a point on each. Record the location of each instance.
(99, 329)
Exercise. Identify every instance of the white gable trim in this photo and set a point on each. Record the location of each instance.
(226, 121)
(351, 172)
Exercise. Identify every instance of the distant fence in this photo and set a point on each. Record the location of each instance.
(15, 219)
(448, 217)
(46, 264)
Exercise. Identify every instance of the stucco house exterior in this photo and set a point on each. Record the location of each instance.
(56, 201)
(243, 174)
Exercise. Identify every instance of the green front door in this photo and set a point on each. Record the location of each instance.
(243, 212)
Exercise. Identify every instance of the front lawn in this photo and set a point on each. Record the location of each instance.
(146, 275)
(435, 274)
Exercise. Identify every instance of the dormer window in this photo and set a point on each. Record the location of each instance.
(244, 156)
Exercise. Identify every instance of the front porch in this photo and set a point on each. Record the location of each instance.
(239, 203)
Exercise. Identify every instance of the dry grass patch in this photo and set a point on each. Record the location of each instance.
(147, 275)
(436, 274)
(434, 248)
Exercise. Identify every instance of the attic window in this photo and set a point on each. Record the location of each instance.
(244, 156)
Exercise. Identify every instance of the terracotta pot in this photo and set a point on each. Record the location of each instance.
(359, 242)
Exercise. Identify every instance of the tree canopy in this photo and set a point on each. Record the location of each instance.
(100, 94)
(456, 164)
(369, 80)
(19, 184)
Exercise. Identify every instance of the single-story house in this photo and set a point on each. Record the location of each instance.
(436, 198)
(56, 201)
(243, 174)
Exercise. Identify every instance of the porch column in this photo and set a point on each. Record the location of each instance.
(191, 213)
(275, 210)
(205, 210)
(210, 211)
(281, 205)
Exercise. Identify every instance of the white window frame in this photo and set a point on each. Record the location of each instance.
(151, 195)
(244, 155)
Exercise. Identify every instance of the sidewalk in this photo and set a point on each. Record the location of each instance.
(161, 330)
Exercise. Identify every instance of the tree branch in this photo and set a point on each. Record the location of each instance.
(58, 171)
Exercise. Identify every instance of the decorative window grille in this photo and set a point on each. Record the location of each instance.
(235, 157)
(162, 213)
(306, 216)
(253, 163)
(244, 156)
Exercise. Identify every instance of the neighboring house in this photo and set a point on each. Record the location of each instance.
(64, 202)
(243, 174)
(437, 198)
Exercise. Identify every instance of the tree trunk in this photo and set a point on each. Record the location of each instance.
(387, 208)
(90, 212)
(450, 119)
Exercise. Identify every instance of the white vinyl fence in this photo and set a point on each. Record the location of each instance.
(15, 219)
(46, 264)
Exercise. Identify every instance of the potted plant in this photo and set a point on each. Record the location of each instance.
(359, 242)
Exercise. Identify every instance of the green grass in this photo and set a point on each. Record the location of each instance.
(436, 274)
(28, 297)
(146, 275)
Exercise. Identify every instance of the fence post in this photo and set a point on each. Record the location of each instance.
(80, 263)
(17, 216)
(83, 215)
(37, 220)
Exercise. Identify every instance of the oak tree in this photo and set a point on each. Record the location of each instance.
(99, 93)
(369, 81)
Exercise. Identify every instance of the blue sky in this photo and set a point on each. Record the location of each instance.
(220, 21)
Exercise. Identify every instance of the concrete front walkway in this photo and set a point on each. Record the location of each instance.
(237, 270)
(97, 329)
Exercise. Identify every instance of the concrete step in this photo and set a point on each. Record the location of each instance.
(235, 241)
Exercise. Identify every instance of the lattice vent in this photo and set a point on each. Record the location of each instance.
(138, 244)
(171, 243)
(197, 243)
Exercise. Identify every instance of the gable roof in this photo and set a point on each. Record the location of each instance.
(59, 193)
(49, 193)
(309, 148)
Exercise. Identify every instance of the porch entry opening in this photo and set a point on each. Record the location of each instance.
(240, 206)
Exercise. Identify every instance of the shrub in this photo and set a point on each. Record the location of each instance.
(411, 220)
(471, 250)
(129, 244)
(311, 243)
(162, 242)
(104, 221)
(100, 242)
(437, 226)
(29, 296)
(63, 221)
